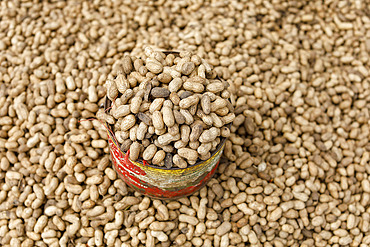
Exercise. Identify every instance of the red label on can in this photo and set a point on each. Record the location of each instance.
(161, 183)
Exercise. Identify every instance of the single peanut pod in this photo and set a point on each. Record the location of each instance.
(179, 118)
(204, 148)
(215, 87)
(225, 131)
(135, 151)
(225, 94)
(160, 235)
(128, 122)
(126, 96)
(127, 64)
(151, 131)
(147, 90)
(184, 94)
(194, 145)
(126, 145)
(133, 132)
(141, 131)
(167, 138)
(185, 133)
(146, 142)
(168, 161)
(188, 117)
(153, 67)
(99, 143)
(156, 105)
(196, 131)
(209, 135)
(168, 117)
(159, 92)
(122, 83)
(158, 157)
(189, 101)
(218, 104)
(159, 132)
(157, 120)
(193, 86)
(201, 71)
(180, 144)
(187, 68)
(179, 162)
(112, 91)
(158, 226)
(174, 130)
(167, 103)
(164, 78)
(188, 153)
(222, 111)
(40, 223)
(135, 104)
(170, 59)
(217, 121)
(149, 152)
(143, 117)
(143, 70)
(70, 83)
(121, 111)
(193, 109)
(205, 103)
(175, 85)
(175, 99)
(228, 118)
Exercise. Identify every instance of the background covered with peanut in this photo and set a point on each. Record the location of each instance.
(296, 164)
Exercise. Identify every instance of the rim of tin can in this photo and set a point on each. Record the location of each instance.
(108, 103)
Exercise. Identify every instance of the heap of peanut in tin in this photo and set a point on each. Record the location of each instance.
(168, 108)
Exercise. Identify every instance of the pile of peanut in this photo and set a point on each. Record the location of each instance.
(168, 110)
(295, 170)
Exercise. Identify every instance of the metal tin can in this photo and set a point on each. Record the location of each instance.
(162, 182)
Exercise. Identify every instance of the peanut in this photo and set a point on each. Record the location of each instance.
(295, 169)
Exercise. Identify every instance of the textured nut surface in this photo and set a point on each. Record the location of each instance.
(295, 167)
